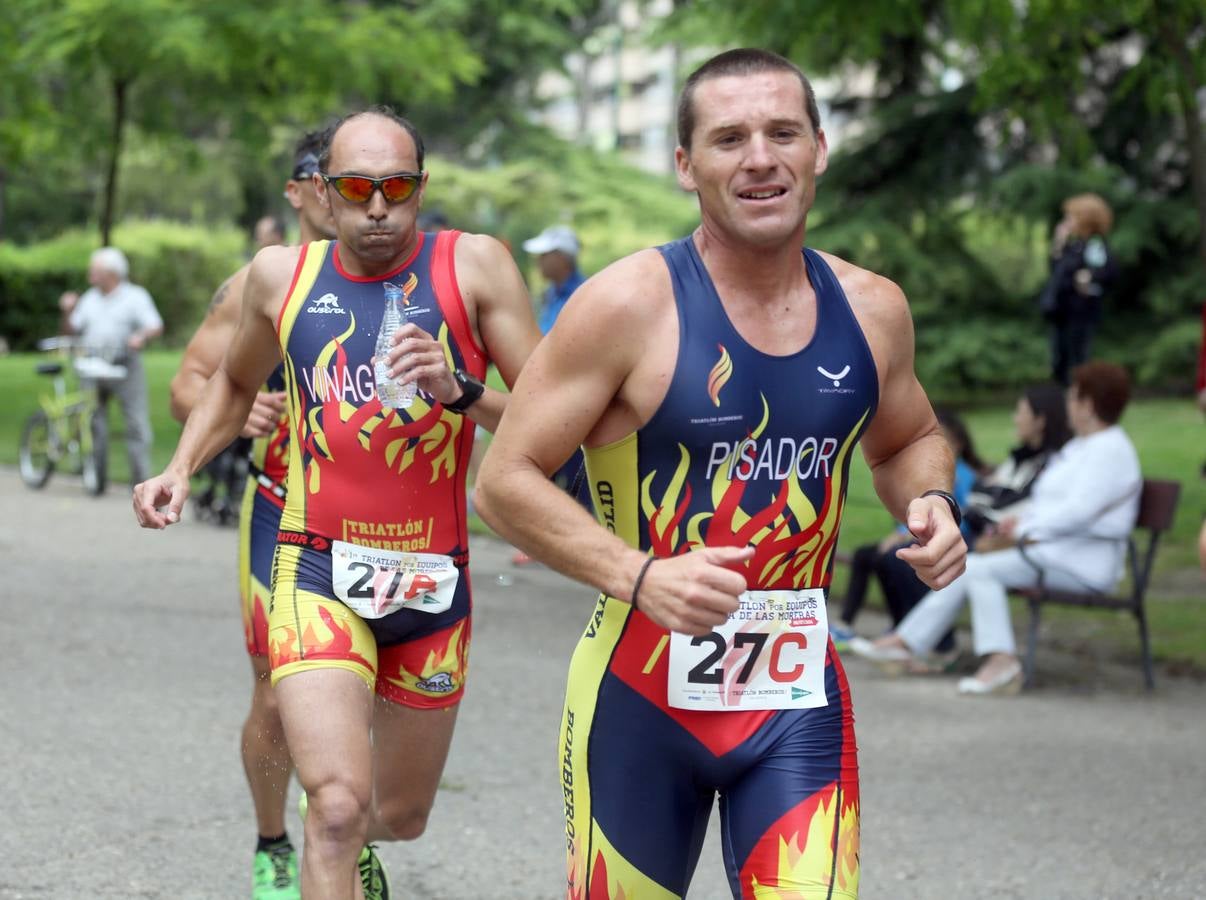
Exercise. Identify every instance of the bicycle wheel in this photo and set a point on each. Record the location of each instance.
(38, 450)
(94, 456)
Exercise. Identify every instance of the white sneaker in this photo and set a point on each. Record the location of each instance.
(1008, 681)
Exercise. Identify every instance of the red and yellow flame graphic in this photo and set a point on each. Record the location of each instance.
(599, 889)
(368, 443)
(337, 645)
(275, 452)
(446, 654)
(575, 865)
(255, 621)
(720, 375)
(408, 288)
(783, 558)
(612, 877)
(789, 864)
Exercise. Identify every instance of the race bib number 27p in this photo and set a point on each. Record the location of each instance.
(770, 654)
(374, 583)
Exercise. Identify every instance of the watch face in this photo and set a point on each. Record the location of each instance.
(471, 389)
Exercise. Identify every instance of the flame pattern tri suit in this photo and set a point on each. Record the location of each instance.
(746, 448)
(259, 521)
(365, 476)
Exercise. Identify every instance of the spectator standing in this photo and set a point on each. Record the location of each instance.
(1082, 270)
(556, 250)
(115, 318)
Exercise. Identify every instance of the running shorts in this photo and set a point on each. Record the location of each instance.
(410, 657)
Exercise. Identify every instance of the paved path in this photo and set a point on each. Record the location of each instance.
(124, 684)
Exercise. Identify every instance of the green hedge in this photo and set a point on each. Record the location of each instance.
(181, 265)
(614, 208)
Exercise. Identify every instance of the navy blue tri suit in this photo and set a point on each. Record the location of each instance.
(746, 449)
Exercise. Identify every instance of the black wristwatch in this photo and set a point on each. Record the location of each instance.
(471, 388)
(956, 513)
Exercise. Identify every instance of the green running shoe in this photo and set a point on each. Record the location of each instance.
(372, 875)
(274, 876)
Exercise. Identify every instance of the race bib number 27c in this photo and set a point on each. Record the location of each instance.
(374, 583)
(770, 654)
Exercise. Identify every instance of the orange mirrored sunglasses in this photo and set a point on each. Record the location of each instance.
(359, 188)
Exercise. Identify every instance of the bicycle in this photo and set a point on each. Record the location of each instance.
(68, 431)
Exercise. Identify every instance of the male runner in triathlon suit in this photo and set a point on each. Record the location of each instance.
(265, 757)
(719, 384)
(369, 623)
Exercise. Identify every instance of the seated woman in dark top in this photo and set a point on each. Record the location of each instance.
(869, 557)
(1040, 421)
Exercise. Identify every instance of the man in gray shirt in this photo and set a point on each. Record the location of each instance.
(114, 319)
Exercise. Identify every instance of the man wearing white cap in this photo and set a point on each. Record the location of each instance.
(556, 251)
(116, 318)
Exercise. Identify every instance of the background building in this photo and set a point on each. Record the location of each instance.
(620, 90)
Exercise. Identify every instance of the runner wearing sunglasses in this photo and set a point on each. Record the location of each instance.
(266, 759)
(360, 188)
(369, 625)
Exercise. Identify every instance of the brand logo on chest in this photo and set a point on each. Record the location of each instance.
(327, 305)
(836, 378)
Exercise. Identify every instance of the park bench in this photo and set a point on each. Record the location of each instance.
(1157, 507)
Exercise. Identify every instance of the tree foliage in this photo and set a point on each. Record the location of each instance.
(187, 70)
(87, 86)
(974, 121)
(515, 40)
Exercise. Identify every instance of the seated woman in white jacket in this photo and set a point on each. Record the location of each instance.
(1082, 508)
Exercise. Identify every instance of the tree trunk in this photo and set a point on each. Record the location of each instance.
(1188, 89)
(120, 88)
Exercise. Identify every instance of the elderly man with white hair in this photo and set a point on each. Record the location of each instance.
(115, 318)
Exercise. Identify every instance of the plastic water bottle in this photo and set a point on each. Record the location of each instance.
(389, 392)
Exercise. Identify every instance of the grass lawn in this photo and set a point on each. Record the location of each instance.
(1169, 434)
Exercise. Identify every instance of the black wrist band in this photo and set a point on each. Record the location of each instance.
(636, 585)
(471, 392)
(956, 513)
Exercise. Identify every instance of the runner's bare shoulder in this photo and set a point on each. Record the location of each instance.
(877, 301)
(632, 291)
(481, 260)
(227, 303)
(269, 276)
(479, 250)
